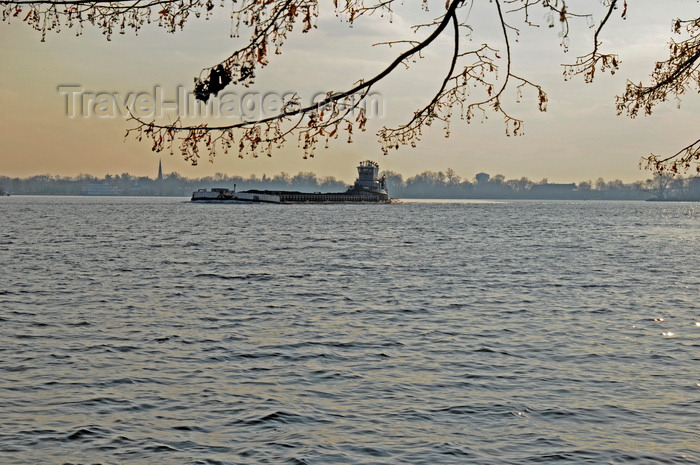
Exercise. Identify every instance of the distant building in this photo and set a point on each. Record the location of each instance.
(482, 178)
(553, 191)
(100, 189)
(160, 171)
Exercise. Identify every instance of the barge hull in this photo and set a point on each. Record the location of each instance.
(339, 197)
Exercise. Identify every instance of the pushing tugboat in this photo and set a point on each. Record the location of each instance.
(368, 188)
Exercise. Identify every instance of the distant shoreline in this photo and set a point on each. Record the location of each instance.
(426, 185)
(397, 199)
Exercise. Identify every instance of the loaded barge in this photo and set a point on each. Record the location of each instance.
(368, 188)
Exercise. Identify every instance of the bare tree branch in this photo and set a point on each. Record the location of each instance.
(586, 64)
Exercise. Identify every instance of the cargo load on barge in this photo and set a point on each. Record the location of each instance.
(368, 188)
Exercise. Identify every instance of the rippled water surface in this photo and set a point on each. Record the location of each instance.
(155, 331)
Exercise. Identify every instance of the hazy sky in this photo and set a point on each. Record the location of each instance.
(580, 137)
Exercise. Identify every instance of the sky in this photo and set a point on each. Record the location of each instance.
(579, 138)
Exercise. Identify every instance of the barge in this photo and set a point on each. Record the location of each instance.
(368, 188)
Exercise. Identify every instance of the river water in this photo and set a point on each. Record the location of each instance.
(156, 331)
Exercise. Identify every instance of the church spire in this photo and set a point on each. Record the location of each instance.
(160, 170)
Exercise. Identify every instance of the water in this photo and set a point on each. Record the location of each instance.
(154, 331)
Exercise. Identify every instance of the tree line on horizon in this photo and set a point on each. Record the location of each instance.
(428, 184)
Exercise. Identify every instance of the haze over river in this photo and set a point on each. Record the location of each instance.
(156, 331)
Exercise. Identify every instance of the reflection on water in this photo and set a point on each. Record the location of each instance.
(157, 331)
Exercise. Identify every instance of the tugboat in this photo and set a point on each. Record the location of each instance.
(368, 188)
